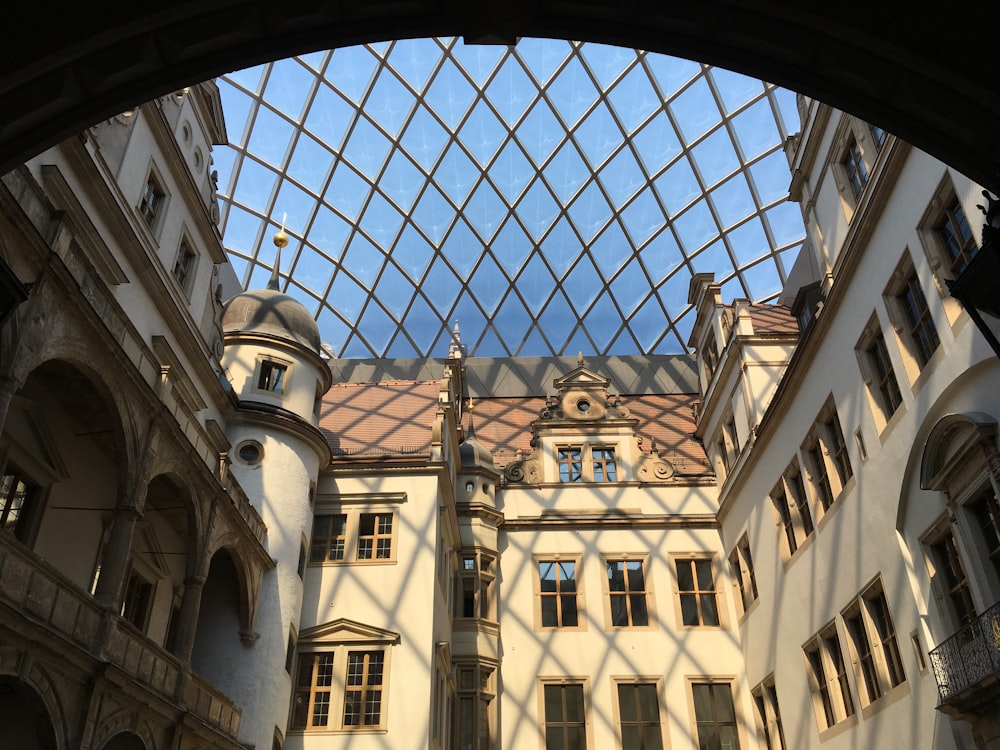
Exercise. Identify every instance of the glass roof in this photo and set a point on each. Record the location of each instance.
(551, 198)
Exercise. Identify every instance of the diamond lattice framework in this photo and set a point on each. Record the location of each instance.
(552, 197)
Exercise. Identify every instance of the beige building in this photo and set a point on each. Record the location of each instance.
(216, 536)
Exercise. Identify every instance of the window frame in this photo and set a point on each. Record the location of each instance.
(579, 594)
(875, 656)
(878, 371)
(24, 526)
(586, 704)
(152, 213)
(185, 265)
(790, 505)
(732, 686)
(353, 508)
(482, 576)
(340, 639)
(608, 560)
(856, 172)
(744, 578)
(696, 561)
(826, 670)
(263, 374)
(577, 463)
(656, 681)
(912, 323)
(768, 715)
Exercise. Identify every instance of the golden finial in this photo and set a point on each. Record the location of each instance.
(281, 239)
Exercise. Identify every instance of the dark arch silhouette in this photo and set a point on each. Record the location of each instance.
(921, 74)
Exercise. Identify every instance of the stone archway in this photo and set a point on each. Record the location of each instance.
(25, 721)
(884, 63)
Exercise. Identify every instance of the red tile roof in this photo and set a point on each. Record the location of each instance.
(394, 418)
(770, 320)
(388, 418)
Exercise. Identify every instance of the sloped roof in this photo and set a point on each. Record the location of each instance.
(771, 320)
(393, 417)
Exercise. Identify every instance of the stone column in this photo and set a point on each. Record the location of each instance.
(187, 619)
(115, 557)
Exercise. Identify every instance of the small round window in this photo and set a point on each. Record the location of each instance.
(186, 133)
(583, 405)
(250, 452)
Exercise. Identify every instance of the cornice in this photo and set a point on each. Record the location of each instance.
(611, 520)
(267, 415)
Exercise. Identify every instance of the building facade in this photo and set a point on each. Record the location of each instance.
(217, 537)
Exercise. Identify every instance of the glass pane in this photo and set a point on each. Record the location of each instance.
(649, 705)
(574, 702)
(553, 703)
(553, 739)
(569, 612)
(627, 702)
(616, 577)
(702, 702)
(549, 612)
(651, 739)
(619, 611)
(709, 611)
(639, 615)
(724, 703)
(689, 609)
(685, 580)
(576, 738)
(630, 737)
(635, 578)
(567, 576)
(547, 576)
(704, 568)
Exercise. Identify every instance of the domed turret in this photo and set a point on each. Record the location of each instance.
(474, 454)
(271, 312)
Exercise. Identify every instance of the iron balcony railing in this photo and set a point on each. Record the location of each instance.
(969, 656)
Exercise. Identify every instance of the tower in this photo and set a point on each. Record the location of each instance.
(272, 358)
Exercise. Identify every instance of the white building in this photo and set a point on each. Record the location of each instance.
(216, 537)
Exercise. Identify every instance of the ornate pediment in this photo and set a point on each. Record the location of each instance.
(345, 631)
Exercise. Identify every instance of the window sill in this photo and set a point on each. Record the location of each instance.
(788, 560)
(886, 699)
(890, 425)
(839, 728)
(341, 563)
(745, 613)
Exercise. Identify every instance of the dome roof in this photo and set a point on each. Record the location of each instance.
(473, 453)
(271, 311)
(274, 313)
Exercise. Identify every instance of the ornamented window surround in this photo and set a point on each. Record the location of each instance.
(539, 559)
(340, 638)
(631, 680)
(353, 506)
(584, 682)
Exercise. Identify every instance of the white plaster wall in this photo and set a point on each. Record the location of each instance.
(400, 596)
(597, 651)
(279, 489)
(857, 540)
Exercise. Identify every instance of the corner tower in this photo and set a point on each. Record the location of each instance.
(272, 359)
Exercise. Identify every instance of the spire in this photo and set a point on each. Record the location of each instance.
(280, 241)
(472, 428)
(456, 350)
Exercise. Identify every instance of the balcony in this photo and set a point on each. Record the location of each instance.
(967, 668)
(42, 604)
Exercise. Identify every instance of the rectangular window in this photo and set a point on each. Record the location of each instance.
(949, 576)
(696, 589)
(792, 509)
(765, 699)
(363, 691)
(886, 386)
(879, 136)
(272, 376)
(854, 167)
(710, 357)
(184, 265)
(152, 201)
(329, 538)
(603, 460)
(375, 536)
(742, 566)
(820, 476)
(956, 237)
(627, 593)
(873, 644)
(558, 593)
(639, 716)
(565, 717)
(986, 514)
(137, 601)
(838, 449)
(714, 715)
(475, 694)
(474, 598)
(919, 324)
(17, 494)
(353, 537)
(570, 464)
(326, 680)
(828, 678)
